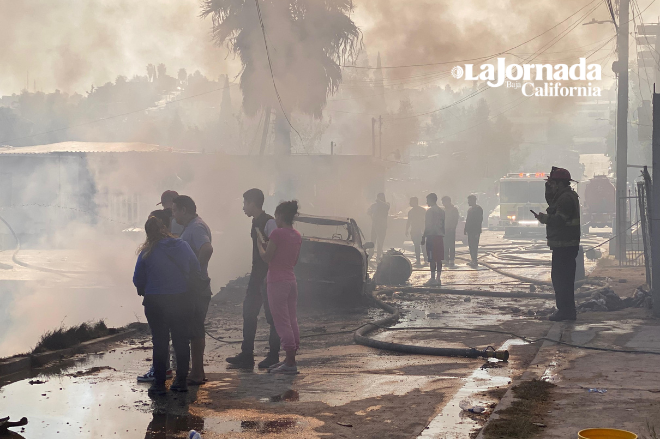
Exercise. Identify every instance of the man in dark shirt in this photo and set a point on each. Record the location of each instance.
(198, 235)
(415, 226)
(473, 222)
(255, 296)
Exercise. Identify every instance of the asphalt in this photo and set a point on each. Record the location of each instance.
(343, 390)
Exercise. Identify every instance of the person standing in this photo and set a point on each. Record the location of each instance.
(451, 222)
(255, 296)
(198, 235)
(415, 227)
(378, 213)
(562, 224)
(161, 276)
(473, 223)
(167, 200)
(281, 253)
(434, 230)
(165, 217)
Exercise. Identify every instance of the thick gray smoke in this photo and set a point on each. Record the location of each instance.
(72, 44)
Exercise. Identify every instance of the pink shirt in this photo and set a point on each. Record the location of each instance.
(288, 242)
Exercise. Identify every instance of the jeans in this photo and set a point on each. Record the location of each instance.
(378, 238)
(416, 238)
(283, 300)
(169, 313)
(201, 307)
(254, 298)
(563, 277)
(450, 245)
(473, 244)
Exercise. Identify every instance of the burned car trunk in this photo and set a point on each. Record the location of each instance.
(333, 260)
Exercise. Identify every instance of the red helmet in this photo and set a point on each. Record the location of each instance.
(559, 174)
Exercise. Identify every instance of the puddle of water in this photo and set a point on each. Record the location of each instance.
(225, 425)
(452, 422)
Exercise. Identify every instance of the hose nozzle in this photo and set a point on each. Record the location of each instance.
(500, 355)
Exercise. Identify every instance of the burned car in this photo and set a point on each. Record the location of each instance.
(333, 259)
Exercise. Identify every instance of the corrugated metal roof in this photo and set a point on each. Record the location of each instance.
(84, 147)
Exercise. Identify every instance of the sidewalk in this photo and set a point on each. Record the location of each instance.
(631, 382)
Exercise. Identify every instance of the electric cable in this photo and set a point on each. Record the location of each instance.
(272, 76)
(479, 58)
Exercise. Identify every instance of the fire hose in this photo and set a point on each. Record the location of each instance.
(360, 337)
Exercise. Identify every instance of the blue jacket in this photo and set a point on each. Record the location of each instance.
(158, 274)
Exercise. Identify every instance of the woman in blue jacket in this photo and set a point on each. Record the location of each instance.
(163, 268)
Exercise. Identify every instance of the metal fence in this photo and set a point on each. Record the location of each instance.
(644, 209)
(635, 248)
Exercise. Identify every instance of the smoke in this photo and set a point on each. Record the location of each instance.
(426, 31)
(72, 44)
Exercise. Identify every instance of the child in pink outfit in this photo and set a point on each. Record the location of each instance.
(281, 253)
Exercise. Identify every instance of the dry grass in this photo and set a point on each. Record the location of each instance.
(63, 338)
(518, 421)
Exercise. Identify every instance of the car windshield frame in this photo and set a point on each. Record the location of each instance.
(342, 228)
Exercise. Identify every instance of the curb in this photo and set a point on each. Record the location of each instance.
(534, 371)
(19, 364)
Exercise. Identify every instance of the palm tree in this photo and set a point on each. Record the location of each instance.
(307, 42)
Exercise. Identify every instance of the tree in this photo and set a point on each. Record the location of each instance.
(182, 75)
(162, 70)
(307, 42)
(151, 72)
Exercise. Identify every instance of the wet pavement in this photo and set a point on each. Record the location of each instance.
(343, 390)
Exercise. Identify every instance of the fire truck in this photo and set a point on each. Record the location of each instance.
(599, 203)
(520, 193)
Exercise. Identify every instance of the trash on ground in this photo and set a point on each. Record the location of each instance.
(597, 390)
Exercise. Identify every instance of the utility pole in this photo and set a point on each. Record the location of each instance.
(380, 136)
(264, 134)
(655, 206)
(373, 136)
(332, 148)
(621, 68)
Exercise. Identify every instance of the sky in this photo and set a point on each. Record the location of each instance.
(71, 44)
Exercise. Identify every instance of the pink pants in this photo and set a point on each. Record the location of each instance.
(283, 302)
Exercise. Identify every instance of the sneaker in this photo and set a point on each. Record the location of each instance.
(559, 316)
(149, 377)
(275, 366)
(431, 282)
(269, 361)
(157, 389)
(285, 370)
(179, 385)
(242, 360)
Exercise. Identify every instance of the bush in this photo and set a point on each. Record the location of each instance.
(63, 338)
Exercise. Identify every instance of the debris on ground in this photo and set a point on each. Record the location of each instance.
(235, 286)
(91, 371)
(597, 390)
(33, 382)
(608, 300)
(523, 418)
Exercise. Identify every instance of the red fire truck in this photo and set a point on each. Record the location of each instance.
(599, 202)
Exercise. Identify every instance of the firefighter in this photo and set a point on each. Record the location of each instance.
(562, 222)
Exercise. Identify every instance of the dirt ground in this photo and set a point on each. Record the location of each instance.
(346, 390)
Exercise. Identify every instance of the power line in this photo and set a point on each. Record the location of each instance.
(479, 58)
(270, 66)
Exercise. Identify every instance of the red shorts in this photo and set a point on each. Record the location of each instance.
(435, 248)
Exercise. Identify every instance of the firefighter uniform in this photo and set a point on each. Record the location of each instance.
(562, 222)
